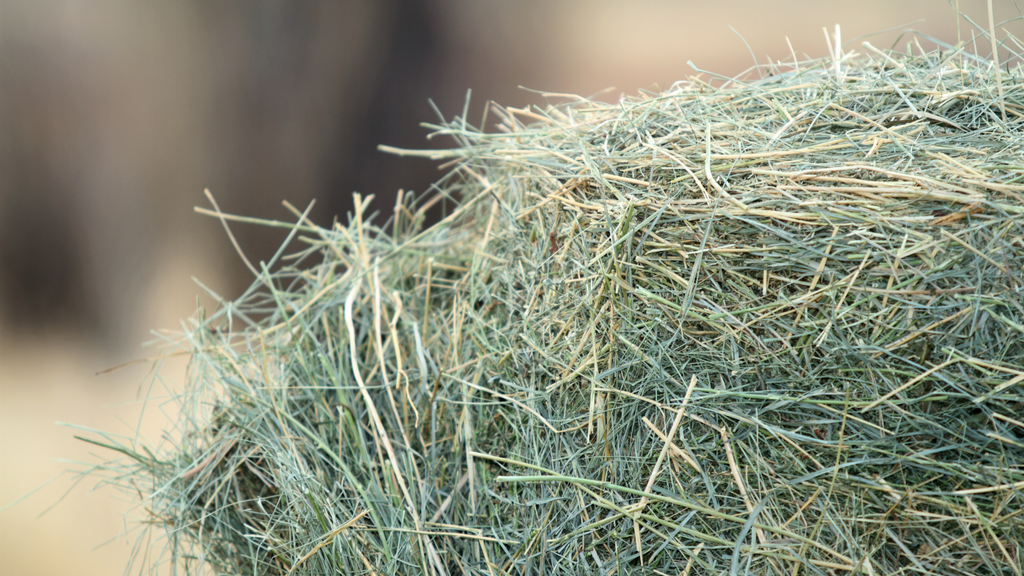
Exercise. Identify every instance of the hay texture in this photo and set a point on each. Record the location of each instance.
(761, 326)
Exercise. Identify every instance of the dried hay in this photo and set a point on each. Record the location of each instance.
(767, 326)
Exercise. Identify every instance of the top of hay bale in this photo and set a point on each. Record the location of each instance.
(767, 325)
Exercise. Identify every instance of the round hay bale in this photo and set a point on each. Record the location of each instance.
(767, 326)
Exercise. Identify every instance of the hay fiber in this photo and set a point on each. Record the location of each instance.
(769, 325)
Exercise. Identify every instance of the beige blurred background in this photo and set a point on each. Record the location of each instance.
(115, 115)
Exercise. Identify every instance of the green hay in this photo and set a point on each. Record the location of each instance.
(767, 326)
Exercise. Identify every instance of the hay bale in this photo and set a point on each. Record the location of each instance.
(766, 326)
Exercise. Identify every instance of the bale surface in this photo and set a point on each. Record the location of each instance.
(770, 326)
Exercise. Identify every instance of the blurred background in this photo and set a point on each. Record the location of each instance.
(115, 115)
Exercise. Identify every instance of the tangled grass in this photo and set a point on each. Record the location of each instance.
(769, 325)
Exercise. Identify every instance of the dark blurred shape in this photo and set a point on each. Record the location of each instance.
(411, 72)
(42, 281)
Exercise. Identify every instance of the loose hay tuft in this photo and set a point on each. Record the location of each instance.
(770, 326)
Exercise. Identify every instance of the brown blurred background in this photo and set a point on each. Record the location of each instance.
(115, 115)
